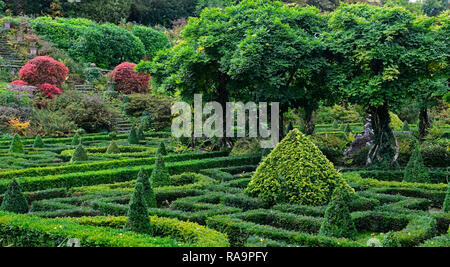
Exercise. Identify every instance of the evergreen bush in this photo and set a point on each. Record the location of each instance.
(14, 199)
(338, 221)
(160, 175)
(140, 134)
(112, 148)
(162, 149)
(310, 177)
(137, 216)
(132, 137)
(16, 145)
(415, 171)
(76, 140)
(38, 143)
(79, 154)
(148, 189)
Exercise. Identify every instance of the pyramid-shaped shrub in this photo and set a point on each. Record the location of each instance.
(148, 189)
(132, 137)
(337, 220)
(16, 145)
(14, 199)
(162, 149)
(79, 154)
(140, 134)
(415, 171)
(160, 175)
(38, 143)
(76, 139)
(446, 207)
(113, 148)
(138, 218)
(295, 171)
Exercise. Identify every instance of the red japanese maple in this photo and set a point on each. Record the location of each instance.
(128, 80)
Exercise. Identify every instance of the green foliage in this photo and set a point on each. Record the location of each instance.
(16, 145)
(113, 148)
(14, 199)
(148, 189)
(338, 221)
(396, 123)
(152, 39)
(446, 206)
(390, 240)
(245, 146)
(100, 10)
(162, 149)
(155, 108)
(158, 12)
(160, 175)
(138, 217)
(140, 134)
(416, 171)
(436, 155)
(76, 139)
(405, 127)
(132, 137)
(79, 154)
(347, 129)
(38, 143)
(295, 171)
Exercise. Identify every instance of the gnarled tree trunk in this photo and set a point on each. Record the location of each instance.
(385, 149)
(424, 123)
(309, 122)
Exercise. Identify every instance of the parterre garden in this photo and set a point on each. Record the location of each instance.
(364, 159)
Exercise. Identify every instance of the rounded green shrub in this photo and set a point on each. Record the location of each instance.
(152, 39)
(132, 137)
(160, 175)
(338, 221)
(295, 171)
(16, 145)
(79, 154)
(148, 189)
(113, 148)
(14, 199)
(415, 171)
(137, 216)
(38, 143)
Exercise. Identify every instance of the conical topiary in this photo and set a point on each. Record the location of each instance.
(160, 175)
(405, 127)
(38, 143)
(16, 145)
(337, 220)
(79, 154)
(161, 149)
(14, 199)
(140, 134)
(76, 139)
(148, 189)
(138, 218)
(112, 148)
(132, 137)
(446, 206)
(310, 177)
(415, 171)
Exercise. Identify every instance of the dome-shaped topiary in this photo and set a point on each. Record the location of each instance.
(132, 137)
(113, 148)
(295, 171)
(148, 189)
(338, 221)
(79, 154)
(14, 199)
(38, 143)
(446, 206)
(16, 145)
(160, 175)
(162, 149)
(76, 139)
(138, 218)
(415, 171)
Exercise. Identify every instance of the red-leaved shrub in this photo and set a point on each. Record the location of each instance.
(49, 90)
(42, 70)
(19, 83)
(128, 81)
